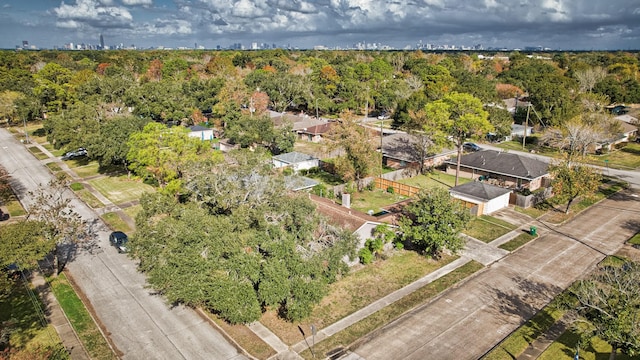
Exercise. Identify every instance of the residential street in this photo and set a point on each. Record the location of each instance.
(467, 321)
(141, 325)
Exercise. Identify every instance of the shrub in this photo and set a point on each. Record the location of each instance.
(320, 190)
(391, 190)
(371, 186)
(287, 171)
(365, 256)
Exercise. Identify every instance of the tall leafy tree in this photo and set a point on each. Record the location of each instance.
(460, 115)
(360, 158)
(608, 306)
(572, 179)
(433, 222)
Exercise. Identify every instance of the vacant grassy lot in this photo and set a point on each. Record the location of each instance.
(487, 228)
(80, 319)
(435, 179)
(119, 189)
(29, 331)
(635, 240)
(354, 332)
(518, 241)
(374, 200)
(357, 290)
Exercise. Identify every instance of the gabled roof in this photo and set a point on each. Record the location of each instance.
(504, 163)
(297, 183)
(402, 146)
(317, 129)
(199, 128)
(479, 190)
(293, 157)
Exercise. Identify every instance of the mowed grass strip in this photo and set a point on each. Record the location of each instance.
(565, 348)
(38, 153)
(79, 317)
(487, 228)
(115, 222)
(518, 241)
(348, 336)
(357, 290)
(119, 189)
(246, 338)
(516, 343)
(15, 208)
(27, 332)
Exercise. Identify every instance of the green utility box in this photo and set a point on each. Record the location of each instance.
(533, 231)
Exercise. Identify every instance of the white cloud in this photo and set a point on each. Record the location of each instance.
(93, 12)
(137, 2)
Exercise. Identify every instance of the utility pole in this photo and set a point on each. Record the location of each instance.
(526, 123)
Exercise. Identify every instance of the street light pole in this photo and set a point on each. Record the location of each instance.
(317, 116)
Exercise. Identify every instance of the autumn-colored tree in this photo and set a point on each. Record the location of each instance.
(572, 179)
(100, 69)
(154, 72)
(507, 91)
(360, 158)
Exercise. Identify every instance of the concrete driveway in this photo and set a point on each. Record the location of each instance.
(140, 325)
(467, 321)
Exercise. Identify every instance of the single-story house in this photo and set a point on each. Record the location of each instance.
(314, 133)
(359, 223)
(627, 131)
(401, 150)
(482, 198)
(202, 133)
(296, 161)
(502, 168)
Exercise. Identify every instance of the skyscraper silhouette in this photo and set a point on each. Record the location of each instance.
(101, 42)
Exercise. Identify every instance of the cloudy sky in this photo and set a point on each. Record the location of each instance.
(555, 24)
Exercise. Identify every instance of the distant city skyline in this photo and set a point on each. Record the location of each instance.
(392, 24)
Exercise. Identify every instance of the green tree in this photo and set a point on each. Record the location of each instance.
(460, 116)
(23, 244)
(162, 153)
(433, 222)
(572, 179)
(360, 158)
(110, 144)
(429, 137)
(608, 306)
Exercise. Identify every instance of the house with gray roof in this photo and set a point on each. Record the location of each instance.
(501, 168)
(481, 197)
(296, 161)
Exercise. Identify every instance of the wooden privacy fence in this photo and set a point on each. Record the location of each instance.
(398, 188)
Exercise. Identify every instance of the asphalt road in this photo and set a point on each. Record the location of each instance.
(467, 321)
(141, 325)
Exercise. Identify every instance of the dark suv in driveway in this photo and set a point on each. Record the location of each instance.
(119, 240)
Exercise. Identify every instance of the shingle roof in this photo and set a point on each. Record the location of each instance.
(402, 146)
(293, 157)
(504, 163)
(479, 190)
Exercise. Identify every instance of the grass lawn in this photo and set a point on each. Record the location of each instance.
(487, 228)
(84, 170)
(565, 348)
(531, 145)
(54, 167)
(357, 290)
(518, 241)
(15, 208)
(132, 211)
(516, 343)
(80, 319)
(246, 338)
(534, 211)
(28, 333)
(119, 189)
(607, 188)
(37, 153)
(435, 179)
(635, 240)
(115, 222)
(627, 158)
(354, 332)
(374, 200)
(52, 150)
(89, 198)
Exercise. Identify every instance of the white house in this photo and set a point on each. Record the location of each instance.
(481, 197)
(201, 132)
(296, 161)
